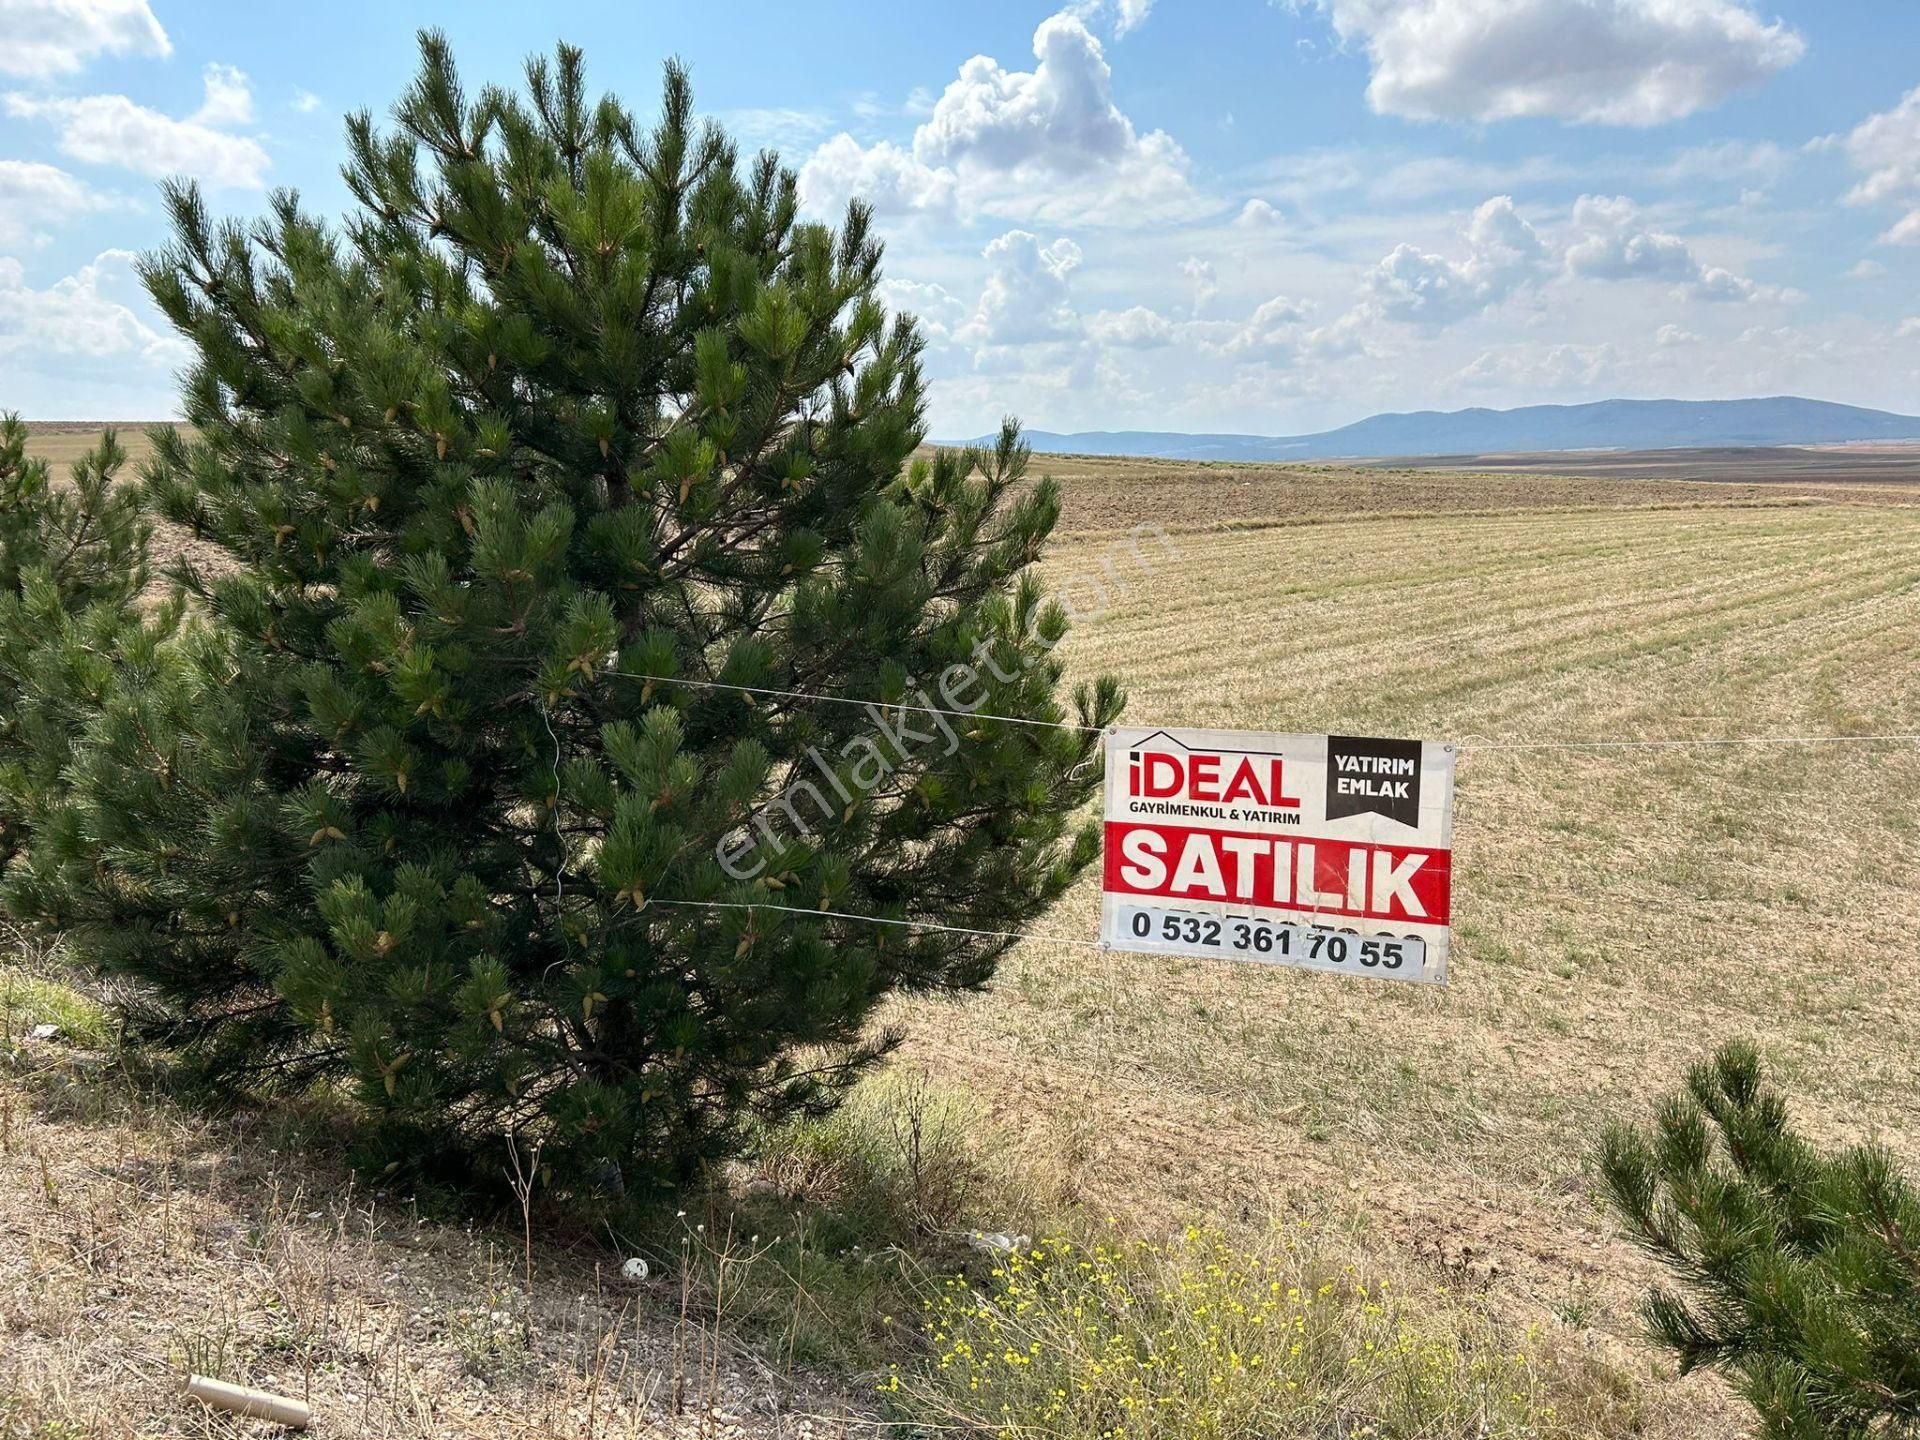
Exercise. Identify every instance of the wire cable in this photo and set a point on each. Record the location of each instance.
(882, 920)
(864, 704)
(1898, 737)
(1683, 743)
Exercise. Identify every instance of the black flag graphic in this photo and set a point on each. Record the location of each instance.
(1377, 776)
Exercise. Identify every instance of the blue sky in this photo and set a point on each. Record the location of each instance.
(1258, 215)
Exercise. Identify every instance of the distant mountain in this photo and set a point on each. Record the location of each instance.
(1602, 425)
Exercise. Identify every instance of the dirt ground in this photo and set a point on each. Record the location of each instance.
(140, 1242)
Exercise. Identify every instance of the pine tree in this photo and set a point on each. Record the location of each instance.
(570, 491)
(1803, 1269)
(73, 559)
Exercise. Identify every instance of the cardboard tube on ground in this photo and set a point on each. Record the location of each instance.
(259, 1404)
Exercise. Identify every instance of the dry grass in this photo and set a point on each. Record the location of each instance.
(1618, 912)
(61, 442)
(1106, 496)
(1894, 463)
(1204, 1336)
(140, 1242)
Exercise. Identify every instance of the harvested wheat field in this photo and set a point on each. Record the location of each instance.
(1618, 910)
(61, 442)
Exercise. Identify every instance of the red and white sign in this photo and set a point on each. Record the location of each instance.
(1329, 851)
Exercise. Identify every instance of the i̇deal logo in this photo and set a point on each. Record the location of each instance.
(1161, 768)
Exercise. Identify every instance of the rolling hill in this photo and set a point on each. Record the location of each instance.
(1601, 425)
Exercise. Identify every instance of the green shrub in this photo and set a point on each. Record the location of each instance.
(566, 412)
(1801, 1270)
(73, 561)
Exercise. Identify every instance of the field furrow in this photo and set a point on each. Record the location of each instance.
(1618, 911)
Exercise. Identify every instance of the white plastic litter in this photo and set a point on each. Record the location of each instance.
(998, 1243)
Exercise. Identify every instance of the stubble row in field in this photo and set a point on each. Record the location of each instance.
(1617, 910)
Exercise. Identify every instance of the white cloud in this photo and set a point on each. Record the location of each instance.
(1610, 242)
(1059, 116)
(939, 312)
(1393, 179)
(112, 130)
(1026, 299)
(1257, 214)
(1273, 333)
(1536, 368)
(1866, 270)
(1311, 175)
(1428, 175)
(1504, 253)
(305, 101)
(1278, 335)
(89, 346)
(779, 127)
(58, 37)
(1500, 241)
(1904, 231)
(1613, 245)
(1611, 62)
(33, 195)
(1606, 240)
(1760, 160)
(1418, 285)
(1668, 336)
(1043, 144)
(229, 99)
(95, 312)
(1887, 147)
(1783, 345)
(1908, 327)
(1128, 15)
(1205, 281)
(1717, 283)
(1344, 336)
(1135, 328)
(885, 176)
